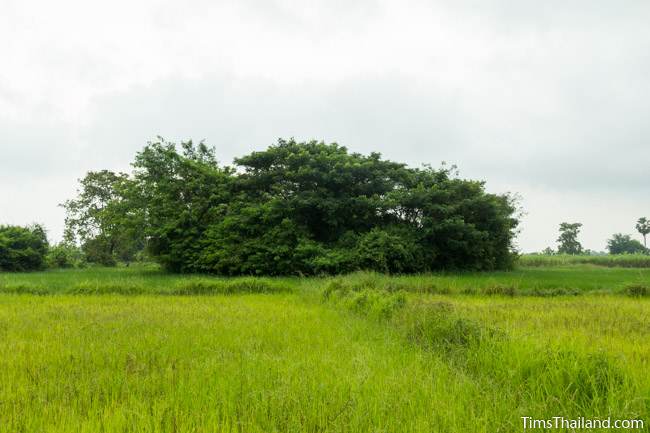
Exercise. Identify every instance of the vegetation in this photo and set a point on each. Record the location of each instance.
(22, 248)
(64, 255)
(293, 209)
(624, 244)
(103, 219)
(391, 300)
(547, 279)
(607, 260)
(643, 227)
(568, 240)
(357, 353)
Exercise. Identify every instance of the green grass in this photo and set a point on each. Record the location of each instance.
(361, 353)
(134, 280)
(619, 260)
(540, 281)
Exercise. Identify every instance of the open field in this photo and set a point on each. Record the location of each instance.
(619, 260)
(362, 353)
(539, 281)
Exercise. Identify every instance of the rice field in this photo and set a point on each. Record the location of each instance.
(138, 350)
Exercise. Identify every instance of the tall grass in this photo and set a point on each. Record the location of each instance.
(540, 281)
(358, 353)
(620, 260)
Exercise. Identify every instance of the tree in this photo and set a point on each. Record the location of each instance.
(568, 240)
(104, 218)
(180, 194)
(643, 227)
(624, 244)
(22, 248)
(304, 208)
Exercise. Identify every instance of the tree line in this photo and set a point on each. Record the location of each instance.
(619, 243)
(296, 208)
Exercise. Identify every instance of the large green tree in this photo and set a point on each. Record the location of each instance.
(180, 194)
(568, 240)
(312, 207)
(105, 218)
(308, 208)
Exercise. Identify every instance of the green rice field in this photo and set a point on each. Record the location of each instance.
(137, 350)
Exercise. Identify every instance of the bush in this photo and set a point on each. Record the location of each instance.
(437, 326)
(637, 291)
(97, 251)
(64, 256)
(381, 251)
(365, 299)
(22, 248)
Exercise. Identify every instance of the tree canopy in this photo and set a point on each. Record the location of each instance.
(568, 240)
(624, 244)
(300, 208)
(105, 218)
(22, 248)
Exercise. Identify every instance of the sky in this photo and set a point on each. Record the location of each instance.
(549, 100)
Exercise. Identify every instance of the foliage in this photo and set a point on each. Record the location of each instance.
(22, 248)
(64, 255)
(295, 208)
(643, 227)
(181, 195)
(105, 218)
(568, 240)
(624, 244)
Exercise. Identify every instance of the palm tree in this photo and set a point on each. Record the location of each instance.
(643, 227)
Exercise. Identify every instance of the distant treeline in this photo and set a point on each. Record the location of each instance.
(300, 208)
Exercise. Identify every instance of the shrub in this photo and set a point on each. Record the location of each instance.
(382, 251)
(97, 251)
(437, 326)
(365, 298)
(64, 256)
(637, 290)
(500, 290)
(22, 248)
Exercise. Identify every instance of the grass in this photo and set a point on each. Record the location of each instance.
(538, 281)
(619, 260)
(104, 351)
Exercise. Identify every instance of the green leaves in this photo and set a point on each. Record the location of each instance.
(568, 239)
(22, 248)
(296, 208)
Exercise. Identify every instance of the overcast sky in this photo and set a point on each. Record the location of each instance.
(547, 99)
